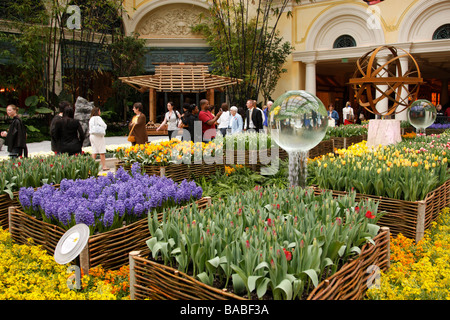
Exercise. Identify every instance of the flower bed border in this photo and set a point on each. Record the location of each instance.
(155, 281)
(323, 148)
(345, 142)
(411, 218)
(109, 249)
(5, 203)
(177, 172)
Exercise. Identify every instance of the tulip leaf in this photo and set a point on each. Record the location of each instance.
(263, 264)
(151, 243)
(286, 287)
(312, 274)
(238, 283)
(373, 229)
(297, 285)
(203, 277)
(262, 287)
(252, 282)
(333, 249)
(214, 262)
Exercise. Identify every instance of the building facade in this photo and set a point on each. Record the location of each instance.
(328, 37)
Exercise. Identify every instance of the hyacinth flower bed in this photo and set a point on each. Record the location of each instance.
(106, 202)
(267, 243)
(443, 126)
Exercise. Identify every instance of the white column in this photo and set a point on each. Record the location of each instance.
(310, 78)
(404, 94)
(382, 105)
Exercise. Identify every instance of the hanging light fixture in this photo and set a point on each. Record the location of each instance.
(370, 2)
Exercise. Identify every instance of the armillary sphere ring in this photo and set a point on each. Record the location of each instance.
(371, 75)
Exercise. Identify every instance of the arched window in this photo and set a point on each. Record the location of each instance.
(344, 41)
(443, 32)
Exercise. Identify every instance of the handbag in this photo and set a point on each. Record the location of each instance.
(97, 129)
(131, 138)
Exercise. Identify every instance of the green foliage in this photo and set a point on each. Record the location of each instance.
(349, 130)
(35, 172)
(268, 241)
(246, 47)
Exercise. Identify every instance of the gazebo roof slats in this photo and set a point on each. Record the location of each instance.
(180, 78)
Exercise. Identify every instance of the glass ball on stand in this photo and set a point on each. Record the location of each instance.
(298, 122)
(421, 114)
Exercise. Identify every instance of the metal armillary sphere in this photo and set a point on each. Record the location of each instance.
(402, 85)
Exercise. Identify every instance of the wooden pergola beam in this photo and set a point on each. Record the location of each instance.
(181, 77)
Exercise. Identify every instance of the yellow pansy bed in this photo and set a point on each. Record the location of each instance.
(27, 272)
(418, 271)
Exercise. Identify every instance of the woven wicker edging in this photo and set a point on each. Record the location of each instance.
(411, 218)
(345, 142)
(5, 203)
(109, 249)
(155, 281)
(177, 172)
(323, 148)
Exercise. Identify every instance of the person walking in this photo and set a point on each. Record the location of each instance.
(208, 121)
(224, 120)
(172, 118)
(137, 125)
(187, 123)
(57, 117)
(266, 110)
(333, 115)
(236, 122)
(253, 117)
(347, 113)
(97, 131)
(68, 133)
(16, 136)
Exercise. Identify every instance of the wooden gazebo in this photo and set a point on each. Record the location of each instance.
(178, 77)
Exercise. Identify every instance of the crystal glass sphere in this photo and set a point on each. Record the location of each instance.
(297, 121)
(421, 114)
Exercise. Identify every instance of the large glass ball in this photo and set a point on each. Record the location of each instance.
(298, 121)
(421, 114)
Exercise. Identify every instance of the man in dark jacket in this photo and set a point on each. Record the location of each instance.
(57, 117)
(68, 133)
(16, 137)
(253, 117)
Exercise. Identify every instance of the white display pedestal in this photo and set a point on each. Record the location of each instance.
(384, 132)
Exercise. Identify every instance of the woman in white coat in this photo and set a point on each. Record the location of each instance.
(97, 131)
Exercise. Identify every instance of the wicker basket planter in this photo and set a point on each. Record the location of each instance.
(323, 148)
(411, 218)
(177, 172)
(5, 203)
(345, 142)
(109, 249)
(151, 280)
(434, 131)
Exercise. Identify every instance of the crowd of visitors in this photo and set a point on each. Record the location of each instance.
(199, 123)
